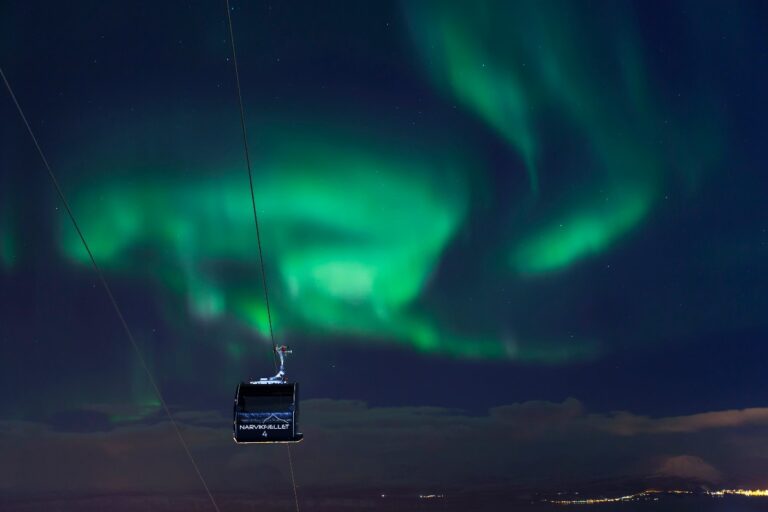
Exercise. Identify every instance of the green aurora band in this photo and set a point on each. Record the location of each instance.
(357, 214)
(522, 181)
(352, 232)
(517, 66)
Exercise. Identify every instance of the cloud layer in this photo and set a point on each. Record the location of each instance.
(350, 445)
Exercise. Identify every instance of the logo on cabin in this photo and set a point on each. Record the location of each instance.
(274, 417)
(265, 426)
(271, 422)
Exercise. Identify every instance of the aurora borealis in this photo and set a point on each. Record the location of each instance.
(479, 215)
(357, 264)
(353, 234)
(525, 68)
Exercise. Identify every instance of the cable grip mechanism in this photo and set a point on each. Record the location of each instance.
(279, 378)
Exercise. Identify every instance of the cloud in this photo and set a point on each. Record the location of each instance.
(629, 424)
(352, 445)
(689, 467)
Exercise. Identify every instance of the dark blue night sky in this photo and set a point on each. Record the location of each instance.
(514, 245)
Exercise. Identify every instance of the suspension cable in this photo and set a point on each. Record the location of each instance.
(256, 222)
(250, 182)
(111, 297)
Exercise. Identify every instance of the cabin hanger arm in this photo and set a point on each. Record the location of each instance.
(282, 352)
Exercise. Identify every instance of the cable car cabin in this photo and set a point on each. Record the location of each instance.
(267, 413)
(267, 410)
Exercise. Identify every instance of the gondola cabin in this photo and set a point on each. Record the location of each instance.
(267, 413)
(267, 410)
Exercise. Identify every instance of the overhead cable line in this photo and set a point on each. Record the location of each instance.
(250, 182)
(111, 296)
(256, 222)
